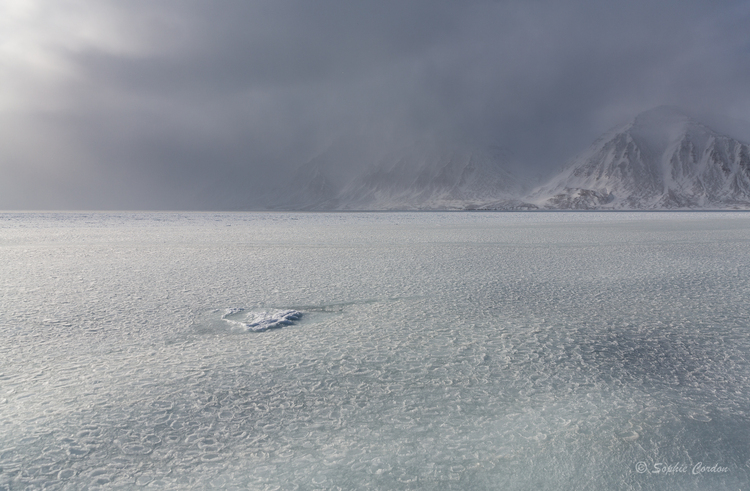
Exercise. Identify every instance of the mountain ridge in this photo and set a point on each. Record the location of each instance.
(662, 159)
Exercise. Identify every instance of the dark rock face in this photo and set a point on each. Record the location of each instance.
(580, 199)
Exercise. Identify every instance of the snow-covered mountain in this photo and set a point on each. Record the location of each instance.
(663, 159)
(420, 176)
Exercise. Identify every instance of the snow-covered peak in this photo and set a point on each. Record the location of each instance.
(661, 159)
(659, 128)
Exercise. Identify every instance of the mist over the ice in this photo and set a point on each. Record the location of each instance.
(207, 105)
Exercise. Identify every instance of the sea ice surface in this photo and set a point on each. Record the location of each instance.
(417, 350)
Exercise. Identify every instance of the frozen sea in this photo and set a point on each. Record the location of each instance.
(375, 351)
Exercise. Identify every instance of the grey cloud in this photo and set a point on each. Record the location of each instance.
(222, 100)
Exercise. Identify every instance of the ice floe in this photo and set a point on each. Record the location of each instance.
(259, 321)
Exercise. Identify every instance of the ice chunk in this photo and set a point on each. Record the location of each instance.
(258, 321)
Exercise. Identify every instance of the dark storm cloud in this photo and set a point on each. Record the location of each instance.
(236, 45)
(200, 104)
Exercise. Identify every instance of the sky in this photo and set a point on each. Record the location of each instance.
(190, 105)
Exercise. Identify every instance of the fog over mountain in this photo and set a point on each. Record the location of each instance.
(424, 175)
(223, 105)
